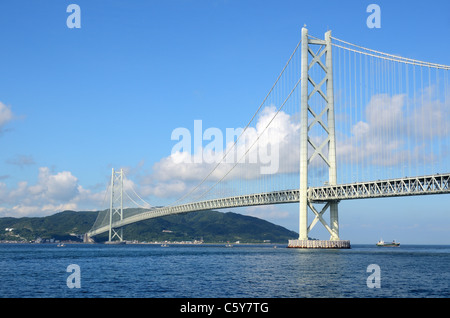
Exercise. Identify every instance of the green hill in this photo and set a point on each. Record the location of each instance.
(59, 226)
(209, 226)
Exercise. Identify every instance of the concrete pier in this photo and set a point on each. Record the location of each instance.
(318, 244)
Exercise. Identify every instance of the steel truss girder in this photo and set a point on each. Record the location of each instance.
(434, 184)
(408, 186)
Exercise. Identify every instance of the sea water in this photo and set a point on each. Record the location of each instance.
(218, 271)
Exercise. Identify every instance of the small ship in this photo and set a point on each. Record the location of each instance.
(383, 243)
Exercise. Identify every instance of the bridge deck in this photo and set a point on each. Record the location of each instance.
(408, 186)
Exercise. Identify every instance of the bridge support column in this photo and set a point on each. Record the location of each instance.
(334, 221)
(324, 150)
(332, 170)
(116, 205)
(87, 239)
(303, 208)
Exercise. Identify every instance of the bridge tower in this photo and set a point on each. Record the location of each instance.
(313, 51)
(116, 205)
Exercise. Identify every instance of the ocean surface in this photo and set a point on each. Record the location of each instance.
(217, 271)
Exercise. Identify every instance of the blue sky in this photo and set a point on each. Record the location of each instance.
(78, 102)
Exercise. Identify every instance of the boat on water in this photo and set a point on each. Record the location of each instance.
(383, 243)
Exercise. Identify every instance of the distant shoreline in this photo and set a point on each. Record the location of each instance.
(143, 243)
(4, 242)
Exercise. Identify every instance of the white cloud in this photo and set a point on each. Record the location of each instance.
(22, 210)
(59, 207)
(6, 115)
(165, 189)
(182, 170)
(62, 186)
(268, 212)
(53, 192)
(395, 130)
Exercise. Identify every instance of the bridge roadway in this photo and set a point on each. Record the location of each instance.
(434, 184)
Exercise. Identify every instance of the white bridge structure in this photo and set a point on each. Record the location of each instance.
(353, 124)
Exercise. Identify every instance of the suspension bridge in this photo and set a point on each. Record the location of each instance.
(341, 122)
